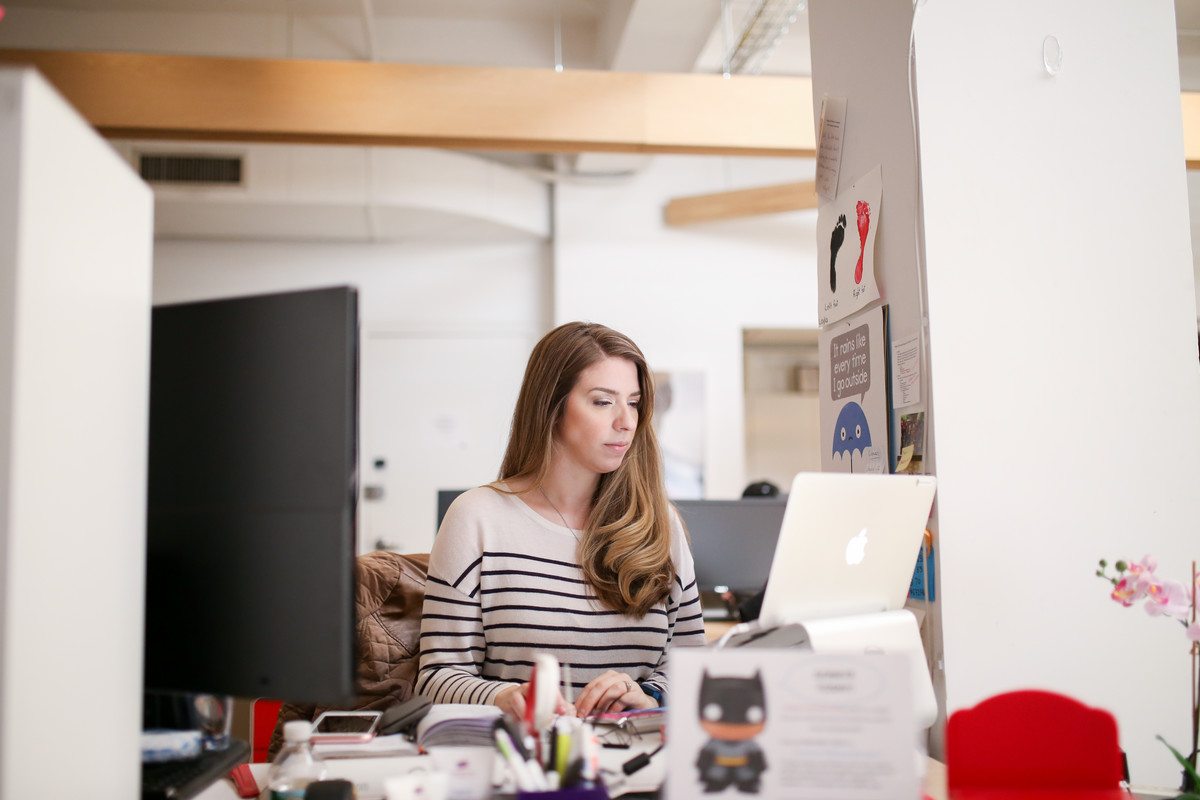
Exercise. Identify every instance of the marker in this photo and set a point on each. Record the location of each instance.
(562, 744)
(591, 755)
(568, 692)
(507, 749)
(514, 735)
(540, 783)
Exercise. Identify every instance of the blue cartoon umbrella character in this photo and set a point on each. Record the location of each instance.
(851, 434)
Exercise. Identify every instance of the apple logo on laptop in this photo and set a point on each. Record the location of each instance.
(856, 548)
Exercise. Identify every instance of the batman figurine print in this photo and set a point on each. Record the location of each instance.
(732, 712)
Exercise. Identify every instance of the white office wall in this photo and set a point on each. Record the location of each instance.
(1062, 326)
(346, 193)
(446, 330)
(685, 294)
(1193, 183)
(75, 246)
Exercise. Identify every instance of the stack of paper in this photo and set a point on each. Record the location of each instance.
(457, 724)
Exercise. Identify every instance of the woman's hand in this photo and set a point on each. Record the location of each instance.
(612, 691)
(511, 700)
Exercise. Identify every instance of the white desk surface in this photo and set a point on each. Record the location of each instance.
(368, 774)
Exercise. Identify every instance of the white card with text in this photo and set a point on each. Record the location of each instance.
(789, 725)
(831, 128)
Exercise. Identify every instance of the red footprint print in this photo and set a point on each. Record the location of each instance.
(864, 225)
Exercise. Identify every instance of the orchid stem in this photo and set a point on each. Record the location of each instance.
(1195, 678)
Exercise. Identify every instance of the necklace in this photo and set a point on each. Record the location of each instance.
(560, 514)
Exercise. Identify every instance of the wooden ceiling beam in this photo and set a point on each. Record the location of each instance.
(1191, 128)
(775, 199)
(136, 95)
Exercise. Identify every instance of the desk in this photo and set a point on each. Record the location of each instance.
(371, 771)
(715, 629)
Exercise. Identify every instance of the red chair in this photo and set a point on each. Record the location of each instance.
(1033, 741)
(263, 716)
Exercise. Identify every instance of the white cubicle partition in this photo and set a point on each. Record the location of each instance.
(75, 251)
(1062, 381)
(1062, 326)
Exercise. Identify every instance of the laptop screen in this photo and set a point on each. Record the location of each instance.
(848, 545)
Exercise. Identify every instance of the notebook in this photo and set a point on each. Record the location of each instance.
(847, 545)
(457, 724)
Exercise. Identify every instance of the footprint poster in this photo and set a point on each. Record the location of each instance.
(855, 431)
(846, 249)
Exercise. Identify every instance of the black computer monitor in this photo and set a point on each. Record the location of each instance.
(444, 498)
(252, 493)
(733, 541)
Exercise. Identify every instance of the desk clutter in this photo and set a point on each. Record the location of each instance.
(545, 755)
(181, 778)
(473, 752)
(770, 723)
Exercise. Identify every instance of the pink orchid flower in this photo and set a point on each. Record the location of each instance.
(1127, 592)
(1143, 571)
(1148, 563)
(1169, 598)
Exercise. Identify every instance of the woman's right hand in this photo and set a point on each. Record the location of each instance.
(511, 700)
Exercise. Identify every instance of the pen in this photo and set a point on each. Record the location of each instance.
(514, 735)
(591, 755)
(507, 749)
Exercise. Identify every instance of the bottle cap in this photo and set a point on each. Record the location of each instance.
(297, 730)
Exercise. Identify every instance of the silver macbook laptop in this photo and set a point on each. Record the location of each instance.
(848, 545)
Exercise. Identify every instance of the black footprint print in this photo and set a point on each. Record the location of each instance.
(835, 244)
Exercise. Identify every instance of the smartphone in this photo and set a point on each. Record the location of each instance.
(345, 727)
(403, 717)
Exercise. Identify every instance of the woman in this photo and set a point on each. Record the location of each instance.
(573, 551)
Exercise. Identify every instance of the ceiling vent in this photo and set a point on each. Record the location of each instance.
(193, 170)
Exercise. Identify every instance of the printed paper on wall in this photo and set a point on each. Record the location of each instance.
(855, 431)
(846, 249)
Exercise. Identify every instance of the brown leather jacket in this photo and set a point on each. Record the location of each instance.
(388, 600)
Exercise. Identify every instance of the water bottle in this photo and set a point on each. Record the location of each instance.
(296, 766)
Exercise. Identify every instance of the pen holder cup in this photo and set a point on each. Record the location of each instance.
(578, 793)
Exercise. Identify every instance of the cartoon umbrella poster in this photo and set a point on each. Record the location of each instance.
(853, 392)
(851, 433)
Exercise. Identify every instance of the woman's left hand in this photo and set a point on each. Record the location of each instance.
(612, 691)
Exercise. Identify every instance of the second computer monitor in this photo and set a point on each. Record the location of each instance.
(251, 496)
(733, 541)
(444, 498)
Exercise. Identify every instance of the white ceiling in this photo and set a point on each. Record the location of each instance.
(463, 9)
(643, 35)
(626, 35)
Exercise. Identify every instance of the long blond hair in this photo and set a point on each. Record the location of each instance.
(625, 550)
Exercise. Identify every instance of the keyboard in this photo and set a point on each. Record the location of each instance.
(177, 780)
